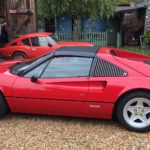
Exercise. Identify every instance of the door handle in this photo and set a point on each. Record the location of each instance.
(34, 49)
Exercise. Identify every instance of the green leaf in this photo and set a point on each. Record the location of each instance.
(91, 8)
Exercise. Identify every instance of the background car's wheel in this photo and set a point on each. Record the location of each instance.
(3, 106)
(133, 111)
(19, 55)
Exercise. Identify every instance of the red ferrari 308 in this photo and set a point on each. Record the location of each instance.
(80, 81)
(35, 44)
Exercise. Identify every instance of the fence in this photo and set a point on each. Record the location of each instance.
(97, 38)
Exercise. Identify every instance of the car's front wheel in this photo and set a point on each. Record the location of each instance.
(4, 109)
(133, 111)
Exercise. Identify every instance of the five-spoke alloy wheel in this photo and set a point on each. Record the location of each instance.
(133, 111)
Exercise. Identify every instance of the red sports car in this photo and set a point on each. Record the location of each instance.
(80, 81)
(35, 44)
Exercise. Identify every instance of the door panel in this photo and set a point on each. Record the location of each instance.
(39, 50)
(50, 96)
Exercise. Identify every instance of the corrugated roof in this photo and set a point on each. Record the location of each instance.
(131, 7)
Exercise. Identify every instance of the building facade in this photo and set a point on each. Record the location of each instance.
(20, 16)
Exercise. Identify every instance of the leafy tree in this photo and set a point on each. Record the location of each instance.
(93, 8)
(147, 37)
(76, 8)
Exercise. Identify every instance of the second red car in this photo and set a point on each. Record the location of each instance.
(35, 44)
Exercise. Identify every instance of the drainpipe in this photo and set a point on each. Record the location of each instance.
(55, 24)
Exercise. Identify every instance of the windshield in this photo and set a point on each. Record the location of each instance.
(22, 66)
(53, 39)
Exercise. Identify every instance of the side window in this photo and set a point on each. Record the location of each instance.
(106, 69)
(36, 71)
(14, 44)
(65, 67)
(39, 41)
(26, 42)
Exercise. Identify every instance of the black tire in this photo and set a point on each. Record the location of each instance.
(130, 101)
(19, 55)
(4, 109)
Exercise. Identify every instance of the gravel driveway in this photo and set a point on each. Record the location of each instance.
(39, 132)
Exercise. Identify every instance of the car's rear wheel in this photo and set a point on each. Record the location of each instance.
(133, 111)
(19, 55)
(4, 109)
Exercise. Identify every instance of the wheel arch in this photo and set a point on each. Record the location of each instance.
(127, 93)
(2, 94)
(19, 51)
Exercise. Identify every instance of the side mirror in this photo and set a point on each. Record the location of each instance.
(34, 79)
(49, 45)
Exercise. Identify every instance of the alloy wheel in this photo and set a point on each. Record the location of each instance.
(137, 112)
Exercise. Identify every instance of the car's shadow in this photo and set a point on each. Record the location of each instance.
(66, 120)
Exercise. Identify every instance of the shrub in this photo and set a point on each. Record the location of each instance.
(147, 37)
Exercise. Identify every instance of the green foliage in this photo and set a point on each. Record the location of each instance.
(129, 1)
(136, 49)
(147, 37)
(91, 8)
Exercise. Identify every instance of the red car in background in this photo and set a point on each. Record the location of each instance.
(35, 44)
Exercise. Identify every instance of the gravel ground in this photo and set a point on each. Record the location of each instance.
(40, 132)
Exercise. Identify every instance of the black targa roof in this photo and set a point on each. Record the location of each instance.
(84, 51)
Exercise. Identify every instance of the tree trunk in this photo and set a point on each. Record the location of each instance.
(76, 28)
